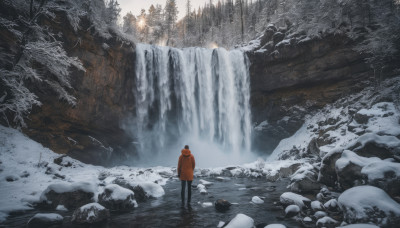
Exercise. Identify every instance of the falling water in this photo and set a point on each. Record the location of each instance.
(192, 96)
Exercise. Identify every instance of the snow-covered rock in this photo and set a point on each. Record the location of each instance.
(90, 213)
(332, 205)
(205, 183)
(70, 195)
(288, 198)
(45, 220)
(360, 226)
(307, 219)
(206, 204)
(327, 222)
(202, 189)
(327, 173)
(257, 200)
(316, 205)
(115, 197)
(292, 210)
(61, 208)
(320, 214)
(152, 189)
(241, 221)
(369, 204)
(275, 226)
(375, 145)
(304, 179)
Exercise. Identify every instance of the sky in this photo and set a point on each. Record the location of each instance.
(136, 5)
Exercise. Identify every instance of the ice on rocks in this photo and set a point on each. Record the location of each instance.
(152, 189)
(257, 200)
(202, 189)
(365, 203)
(288, 198)
(241, 221)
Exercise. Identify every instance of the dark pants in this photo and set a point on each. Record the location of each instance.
(189, 184)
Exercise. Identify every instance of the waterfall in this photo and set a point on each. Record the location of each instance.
(192, 96)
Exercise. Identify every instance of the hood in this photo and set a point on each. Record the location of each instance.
(186, 152)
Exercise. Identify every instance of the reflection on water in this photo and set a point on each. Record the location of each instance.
(167, 211)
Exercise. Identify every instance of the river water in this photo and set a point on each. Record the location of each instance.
(167, 211)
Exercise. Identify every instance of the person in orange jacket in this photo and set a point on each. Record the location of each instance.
(186, 166)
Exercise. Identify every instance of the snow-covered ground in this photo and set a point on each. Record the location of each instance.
(28, 171)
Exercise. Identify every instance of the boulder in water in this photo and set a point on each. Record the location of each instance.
(222, 205)
(90, 213)
(117, 198)
(241, 221)
(292, 210)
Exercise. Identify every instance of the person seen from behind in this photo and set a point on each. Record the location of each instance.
(186, 166)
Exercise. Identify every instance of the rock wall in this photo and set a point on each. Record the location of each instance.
(90, 131)
(295, 77)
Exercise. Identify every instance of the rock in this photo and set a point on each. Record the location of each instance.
(305, 180)
(241, 221)
(90, 213)
(288, 198)
(71, 196)
(268, 34)
(362, 118)
(368, 204)
(373, 145)
(360, 226)
(287, 171)
(257, 200)
(205, 183)
(327, 222)
(11, 178)
(59, 161)
(140, 194)
(117, 198)
(45, 220)
(385, 175)
(313, 148)
(327, 173)
(222, 205)
(291, 210)
(61, 208)
(24, 174)
(278, 37)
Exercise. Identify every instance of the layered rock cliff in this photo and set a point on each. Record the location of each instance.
(91, 130)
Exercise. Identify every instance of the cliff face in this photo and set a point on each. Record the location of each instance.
(91, 130)
(296, 78)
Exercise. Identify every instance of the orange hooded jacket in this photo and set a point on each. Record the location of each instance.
(186, 165)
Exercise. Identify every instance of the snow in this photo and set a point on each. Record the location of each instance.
(241, 221)
(349, 157)
(49, 217)
(293, 198)
(261, 126)
(23, 154)
(377, 170)
(257, 200)
(118, 192)
(220, 224)
(357, 201)
(207, 204)
(387, 141)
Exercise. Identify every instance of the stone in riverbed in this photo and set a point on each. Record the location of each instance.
(291, 210)
(288, 198)
(90, 213)
(117, 198)
(241, 221)
(327, 222)
(222, 205)
(45, 220)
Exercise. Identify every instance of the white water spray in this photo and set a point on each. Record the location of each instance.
(193, 96)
